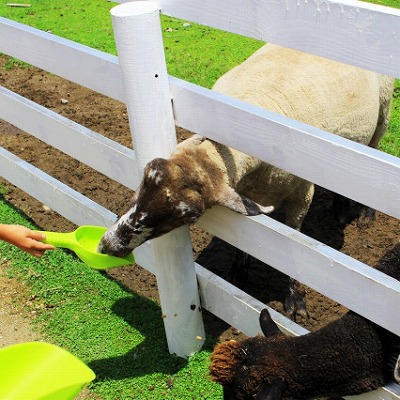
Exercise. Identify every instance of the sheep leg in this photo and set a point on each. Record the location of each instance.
(239, 272)
(346, 210)
(296, 207)
(295, 303)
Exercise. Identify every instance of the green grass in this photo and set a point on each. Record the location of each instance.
(195, 53)
(391, 141)
(118, 333)
(387, 3)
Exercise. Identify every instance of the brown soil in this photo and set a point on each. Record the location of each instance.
(108, 117)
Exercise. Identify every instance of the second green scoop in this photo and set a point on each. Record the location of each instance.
(83, 242)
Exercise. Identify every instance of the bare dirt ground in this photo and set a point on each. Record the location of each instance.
(108, 117)
(14, 319)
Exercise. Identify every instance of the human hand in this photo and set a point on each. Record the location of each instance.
(24, 238)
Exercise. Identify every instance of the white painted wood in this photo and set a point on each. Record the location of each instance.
(236, 307)
(328, 160)
(354, 32)
(91, 68)
(102, 154)
(226, 301)
(389, 392)
(51, 192)
(145, 81)
(141, 55)
(188, 97)
(326, 270)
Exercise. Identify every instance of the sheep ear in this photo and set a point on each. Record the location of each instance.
(271, 392)
(241, 204)
(194, 140)
(267, 324)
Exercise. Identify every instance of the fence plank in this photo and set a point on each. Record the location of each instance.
(388, 392)
(59, 197)
(326, 159)
(102, 154)
(357, 33)
(138, 38)
(236, 307)
(326, 270)
(88, 67)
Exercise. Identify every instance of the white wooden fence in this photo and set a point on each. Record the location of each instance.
(358, 33)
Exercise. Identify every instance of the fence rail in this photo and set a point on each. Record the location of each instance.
(353, 32)
(356, 33)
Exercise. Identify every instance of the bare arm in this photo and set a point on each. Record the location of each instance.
(25, 239)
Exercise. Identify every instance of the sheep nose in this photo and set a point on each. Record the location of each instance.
(100, 248)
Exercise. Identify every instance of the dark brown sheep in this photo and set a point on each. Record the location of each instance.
(351, 355)
(348, 356)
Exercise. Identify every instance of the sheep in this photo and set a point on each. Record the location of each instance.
(348, 356)
(397, 370)
(339, 98)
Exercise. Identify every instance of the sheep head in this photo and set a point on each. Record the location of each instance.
(165, 200)
(173, 193)
(242, 369)
(234, 365)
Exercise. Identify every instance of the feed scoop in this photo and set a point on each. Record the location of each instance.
(83, 242)
(41, 371)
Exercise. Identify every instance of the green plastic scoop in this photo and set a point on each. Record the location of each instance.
(41, 371)
(83, 242)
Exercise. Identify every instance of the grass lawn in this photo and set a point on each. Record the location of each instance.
(97, 319)
(81, 309)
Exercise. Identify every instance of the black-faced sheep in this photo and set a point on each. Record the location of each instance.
(351, 355)
(339, 98)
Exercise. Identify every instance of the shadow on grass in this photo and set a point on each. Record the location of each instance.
(151, 355)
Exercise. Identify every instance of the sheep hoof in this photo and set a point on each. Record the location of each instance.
(295, 306)
(367, 216)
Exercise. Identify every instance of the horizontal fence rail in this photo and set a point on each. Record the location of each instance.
(104, 155)
(328, 28)
(318, 156)
(68, 202)
(88, 67)
(309, 261)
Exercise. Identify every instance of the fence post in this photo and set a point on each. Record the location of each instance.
(138, 37)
